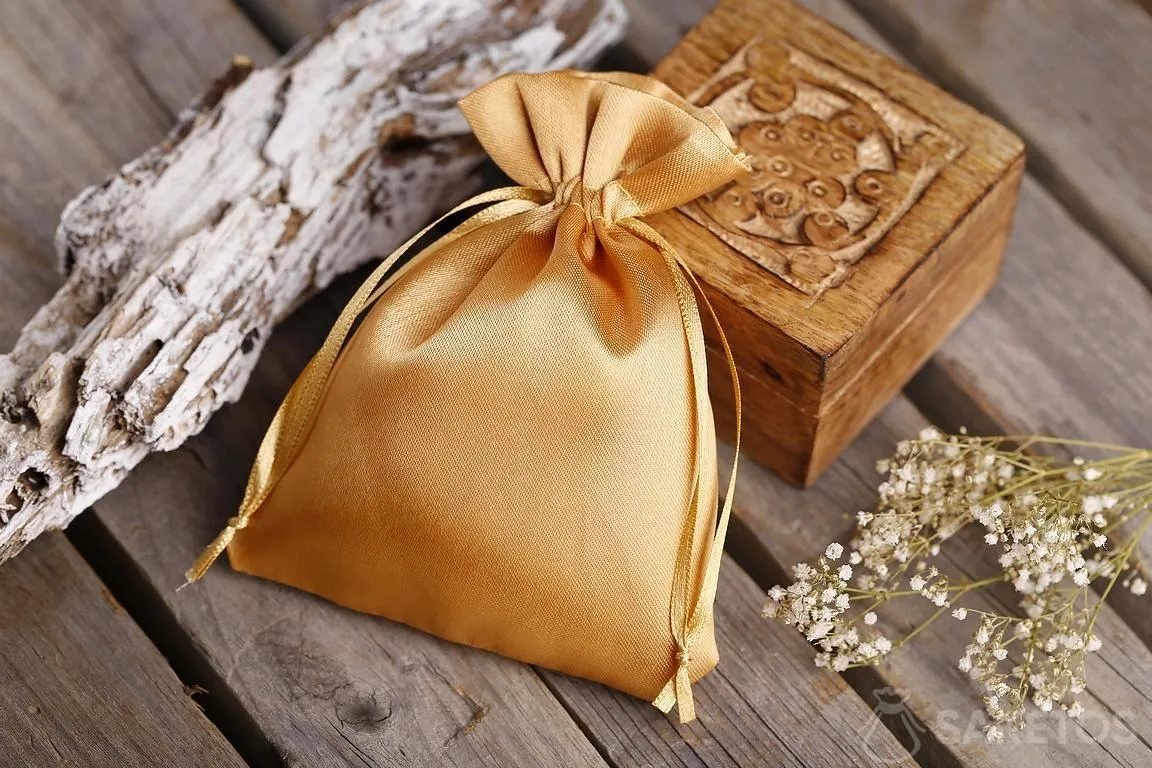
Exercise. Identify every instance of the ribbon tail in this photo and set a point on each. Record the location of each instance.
(678, 692)
(690, 615)
(667, 698)
(685, 706)
(209, 556)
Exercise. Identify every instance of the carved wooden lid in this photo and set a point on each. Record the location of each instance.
(863, 172)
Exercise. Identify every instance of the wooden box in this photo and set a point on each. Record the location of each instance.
(875, 220)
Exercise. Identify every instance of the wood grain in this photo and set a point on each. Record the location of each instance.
(1062, 345)
(765, 704)
(1066, 350)
(276, 181)
(1089, 144)
(837, 357)
(287, 21)
(828, 329)
(74, 111)
(1050, 350)
(292, 659)
(782, 526)
(800, 446)
(80, 684)
(130, 65)
(326, 685)
(291, 655)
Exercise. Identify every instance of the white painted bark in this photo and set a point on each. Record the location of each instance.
(274, 183)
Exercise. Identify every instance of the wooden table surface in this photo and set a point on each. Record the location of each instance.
(102, 663)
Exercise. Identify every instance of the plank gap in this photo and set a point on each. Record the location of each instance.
(941, 394)
(626, 58)
(589, 733)
(925, 58)
(275, 27)
(132, 589)
(748, 551)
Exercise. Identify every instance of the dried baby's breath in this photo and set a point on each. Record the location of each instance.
(1057, 526)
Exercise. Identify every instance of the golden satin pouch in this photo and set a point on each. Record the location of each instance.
(509, 443)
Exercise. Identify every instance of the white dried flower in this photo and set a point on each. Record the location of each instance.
(1054, 526)
(819, 630)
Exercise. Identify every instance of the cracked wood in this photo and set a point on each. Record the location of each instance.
(276, 181)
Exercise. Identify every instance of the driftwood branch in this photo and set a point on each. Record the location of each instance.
(274, 183)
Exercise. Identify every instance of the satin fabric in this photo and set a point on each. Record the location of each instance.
(508, 444)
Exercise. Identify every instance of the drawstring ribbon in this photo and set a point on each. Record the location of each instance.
(293, 420)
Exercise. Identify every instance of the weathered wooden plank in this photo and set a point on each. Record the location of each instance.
(160, 532)
(293, 660)
(129, 65)
(765, 704)
(939, 719)
(1030, 280)
(301, 667)
(263, 639)
(325, 685)
(287, 21)
(80, 684)
(1062, 345)
(48, 156)
(125, 66)
(1067, 77)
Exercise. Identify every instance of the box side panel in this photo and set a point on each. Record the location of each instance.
(977, 245)
(768, 351)
(939, 263)
(800, 446)
(775, 434)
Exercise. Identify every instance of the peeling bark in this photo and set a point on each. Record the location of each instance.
(271, 185)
